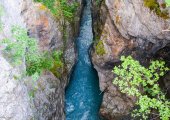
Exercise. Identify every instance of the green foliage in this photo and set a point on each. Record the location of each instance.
(25, 48)
(98, 2)
(57, 56)
(63, 10)
(141, 82)
(15, 50)
(58, 64)
(154, 6)
(60, 8)
(100, 48)
(1, 10)
(32, 93)
(167, 2)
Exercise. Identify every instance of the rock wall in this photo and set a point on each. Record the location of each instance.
(124, 28)
(26, 99)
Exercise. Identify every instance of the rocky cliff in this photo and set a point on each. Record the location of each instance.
(124, 28)
(25, 99)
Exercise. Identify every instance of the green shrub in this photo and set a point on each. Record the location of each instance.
(136, 80)
(26, 48)
(100, 48)
(58, 64)
(167, 2)
(98, 2)
(154, 6)
(15, 50)
(60, 8)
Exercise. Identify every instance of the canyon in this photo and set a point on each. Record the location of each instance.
(115, 28)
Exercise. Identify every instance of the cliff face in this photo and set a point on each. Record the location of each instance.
(124, 28)
(16, 95)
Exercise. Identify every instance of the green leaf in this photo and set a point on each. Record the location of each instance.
(132, 78)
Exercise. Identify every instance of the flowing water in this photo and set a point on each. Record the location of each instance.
(83, 98)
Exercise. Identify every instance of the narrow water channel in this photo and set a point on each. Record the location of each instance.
(83, 98)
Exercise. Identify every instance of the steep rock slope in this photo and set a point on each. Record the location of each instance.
(26, 99)
(124, 28)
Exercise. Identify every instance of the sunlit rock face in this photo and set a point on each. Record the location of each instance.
(14, 100)
(48, 101)
(125, 28)
(132, 19)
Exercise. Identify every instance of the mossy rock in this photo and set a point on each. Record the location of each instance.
(100, 48)
(57, 69)
(160, 10)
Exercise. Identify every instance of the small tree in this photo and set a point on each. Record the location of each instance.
(136, 80)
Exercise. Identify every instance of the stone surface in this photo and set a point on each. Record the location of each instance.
(14, 100)
(26, 99)
(132, 19)
(125, 28)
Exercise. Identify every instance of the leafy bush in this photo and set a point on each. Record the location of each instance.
(60, 8)
(15, 50)
(26, 48)
(167, 2)
(98, 2)
(136, 80)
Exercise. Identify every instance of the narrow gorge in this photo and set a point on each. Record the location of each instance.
(83, 95)
(84, 59)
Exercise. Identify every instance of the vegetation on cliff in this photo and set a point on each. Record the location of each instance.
(167, 2)
(64, 11)
(142, 83)
(60, 8)
(100, 48)
(23, 48)
(159, 9)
